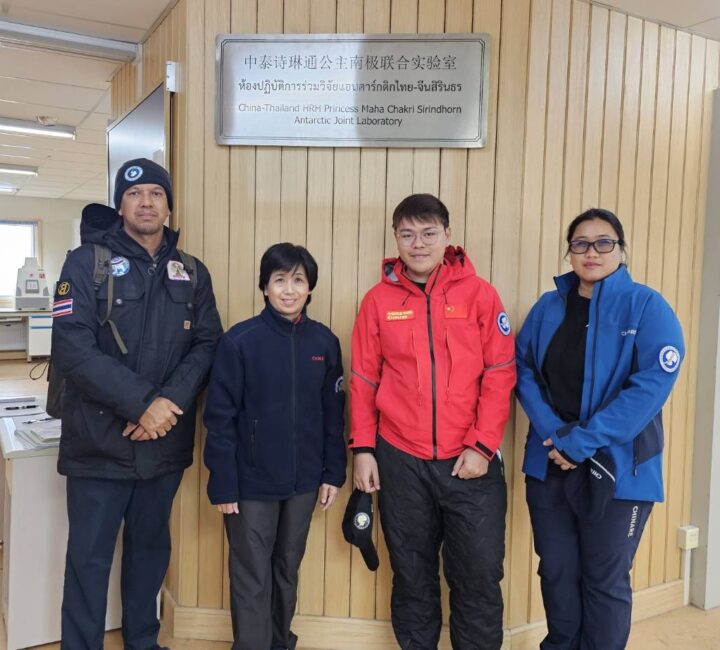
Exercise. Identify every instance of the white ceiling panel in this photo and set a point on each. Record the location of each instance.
(684, 14)
(709, 28)
(97, 121)
(28, 111)
(60, 95)
(41, 65)
(125, 20)
(72, 89)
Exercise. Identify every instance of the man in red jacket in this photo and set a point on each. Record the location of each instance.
(433, 366)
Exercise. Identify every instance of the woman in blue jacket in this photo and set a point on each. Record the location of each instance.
(596, 360)
(275, 445)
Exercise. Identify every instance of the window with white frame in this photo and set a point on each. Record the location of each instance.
(18, 240)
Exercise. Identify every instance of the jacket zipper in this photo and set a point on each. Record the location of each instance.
(432, 378)
(595, 336)
(151, 286)
(293, 401)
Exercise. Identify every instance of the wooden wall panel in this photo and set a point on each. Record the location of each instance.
(587, 107)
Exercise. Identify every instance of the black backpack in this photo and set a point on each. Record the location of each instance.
(102, 272)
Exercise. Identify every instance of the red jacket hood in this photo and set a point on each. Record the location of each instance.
(456, 265)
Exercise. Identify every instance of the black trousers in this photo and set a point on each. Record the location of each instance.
(267, 542)
(96, 508)
(423, 509)
(584, 565)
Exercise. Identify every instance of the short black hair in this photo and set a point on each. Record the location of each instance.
(597, 213)
(422, 207)
(286, 257)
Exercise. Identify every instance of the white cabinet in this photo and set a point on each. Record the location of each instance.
(35, 539)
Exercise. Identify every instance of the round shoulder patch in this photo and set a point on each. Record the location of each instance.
(119, 266)
(63, 288)
(133, 173)
(503, 323)
(669, 358)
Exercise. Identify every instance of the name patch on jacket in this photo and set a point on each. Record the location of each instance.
(408, 314)
(456, 311)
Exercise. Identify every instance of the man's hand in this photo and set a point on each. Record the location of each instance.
(136, 432)
(327, 496)
(228, 508)
(470, 464)
(365, 470)
(556, 457)
(160, 417)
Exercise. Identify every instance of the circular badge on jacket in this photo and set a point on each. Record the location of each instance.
(503, 323)
(120, 266)
(133, 173)
(362, 520)
(669, 358)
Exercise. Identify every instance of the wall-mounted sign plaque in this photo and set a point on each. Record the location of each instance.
(350, 90)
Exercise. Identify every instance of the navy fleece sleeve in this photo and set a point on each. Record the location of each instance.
(221, 414)
(333, 399)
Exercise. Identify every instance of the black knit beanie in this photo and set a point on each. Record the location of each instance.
(138, 172)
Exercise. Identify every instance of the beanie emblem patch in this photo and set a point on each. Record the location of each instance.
(133, 173)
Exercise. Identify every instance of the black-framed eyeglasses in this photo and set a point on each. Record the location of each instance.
(580, 246)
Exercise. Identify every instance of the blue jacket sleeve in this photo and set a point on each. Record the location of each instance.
(333, 400)
(75, 350)
(659, 353)
(532, 396)
(189, 377)
(221, 420)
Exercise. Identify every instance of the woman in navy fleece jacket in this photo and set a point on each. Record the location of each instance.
(274, 416)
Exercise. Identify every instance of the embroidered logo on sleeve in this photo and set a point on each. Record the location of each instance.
(63, 288)
(669, 358)
(176, 271)
(503, 323)
(340, 385)
(62, 307)
(408, 314)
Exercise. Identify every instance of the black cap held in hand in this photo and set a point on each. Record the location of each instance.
(138, 172)
(357, 527)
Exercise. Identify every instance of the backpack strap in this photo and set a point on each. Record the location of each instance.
(190, 266)
(100, 274)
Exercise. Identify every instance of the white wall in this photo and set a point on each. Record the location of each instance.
(56, 217)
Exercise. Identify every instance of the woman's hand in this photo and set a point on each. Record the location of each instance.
(327, 496)
(228, 508)
(556, 457)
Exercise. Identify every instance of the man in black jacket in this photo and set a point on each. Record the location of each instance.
(128, 420)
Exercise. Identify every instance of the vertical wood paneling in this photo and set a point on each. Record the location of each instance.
(346, 211)
(613, 111)
(575, 119)
(211, 564)
(594, 109)
(509, 217)
(322, 18)
(587, 107)
(670, 287)
(482, 240)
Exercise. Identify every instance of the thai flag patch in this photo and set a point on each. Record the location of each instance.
(62, 307)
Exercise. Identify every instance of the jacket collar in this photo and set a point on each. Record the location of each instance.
(278, 322)
(455, 265)
(568, 281)
(120, 242)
